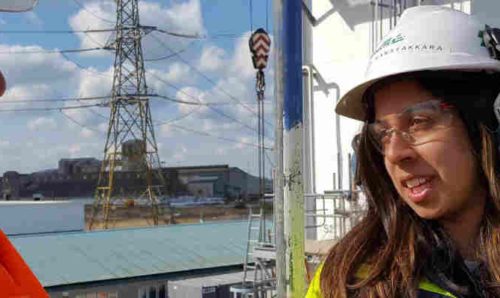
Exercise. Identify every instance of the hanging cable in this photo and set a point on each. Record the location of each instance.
(250, 12)
(209, 79)
(198, 103)
(171, 55)
(217, 137)
(50, 109)
(52, 51)
(14, 101)
(203, 133)
(80, 124)
(176, 119)
(56, 31)
(176, 34)
(267, 15)
(92, 13)
(210, 107)
(86, 69)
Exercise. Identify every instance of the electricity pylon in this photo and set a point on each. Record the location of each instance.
(130, 142)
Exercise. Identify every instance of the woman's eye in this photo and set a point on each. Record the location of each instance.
(383, 135)
(420, 122)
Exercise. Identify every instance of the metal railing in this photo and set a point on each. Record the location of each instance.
(336, 212)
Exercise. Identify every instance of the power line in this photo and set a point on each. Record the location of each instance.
(209, 79)
(250, 10)
(80, 124)
(167, 98)
(57, 31)
(203, 133)
(89, 31)
(267, 15)
(218, 137)
(171, 55)
(80, 66)
(197, 103)
(53, 51)
(51, 109)
(92, 13)
(14, 101)
(176, 119)
(176, 34)
(210, 107)
(270, 160)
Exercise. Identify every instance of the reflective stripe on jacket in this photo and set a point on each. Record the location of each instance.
(426, 289)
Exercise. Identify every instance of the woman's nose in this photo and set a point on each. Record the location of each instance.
(398, 148)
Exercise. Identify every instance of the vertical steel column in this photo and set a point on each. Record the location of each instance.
(279, 222)
(293, 148)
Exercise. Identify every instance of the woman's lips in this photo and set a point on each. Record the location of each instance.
(418, 191)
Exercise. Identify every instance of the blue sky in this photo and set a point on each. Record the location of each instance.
(31, 141)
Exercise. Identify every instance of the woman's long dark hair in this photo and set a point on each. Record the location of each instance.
(392, 239)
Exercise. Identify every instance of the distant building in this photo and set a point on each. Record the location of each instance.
(220, 181)
(78, 178)
(78, 166)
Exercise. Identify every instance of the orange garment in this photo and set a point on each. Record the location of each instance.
(16, 278)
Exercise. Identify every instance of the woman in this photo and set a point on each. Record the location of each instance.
(429, 165)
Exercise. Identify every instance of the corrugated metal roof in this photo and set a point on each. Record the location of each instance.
(67, 258)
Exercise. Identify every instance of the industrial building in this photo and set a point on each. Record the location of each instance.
(220, 181)
(78, 178)
(192, 260)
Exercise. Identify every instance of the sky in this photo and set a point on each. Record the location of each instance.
(214, 68)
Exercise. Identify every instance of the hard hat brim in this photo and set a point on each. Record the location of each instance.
(351, 104)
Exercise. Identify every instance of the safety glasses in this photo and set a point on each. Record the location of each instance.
(418, 124)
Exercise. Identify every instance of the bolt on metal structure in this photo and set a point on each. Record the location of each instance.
(130, 142)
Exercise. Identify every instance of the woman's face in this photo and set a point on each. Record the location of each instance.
(437, 178)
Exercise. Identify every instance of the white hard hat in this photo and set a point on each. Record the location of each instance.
(426, 38)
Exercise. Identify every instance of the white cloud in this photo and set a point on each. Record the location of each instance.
(221, 151)
(92, 83)
(175, 17)
(17, 94)
(103, 126)
(178, 72)
(94, 15)
(42, 123)
(180, 154)
(95, 83)
(87, 133)
(193, 95)
(35, 67)
(74, 150)
(166, 131)
(102, 15)
(211, 59)
(241, 62)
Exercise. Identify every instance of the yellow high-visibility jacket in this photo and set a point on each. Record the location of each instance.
(426, 288)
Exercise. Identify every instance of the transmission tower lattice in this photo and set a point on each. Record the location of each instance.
(130, 143)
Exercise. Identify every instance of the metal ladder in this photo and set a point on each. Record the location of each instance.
(255, 234)
(259, 257)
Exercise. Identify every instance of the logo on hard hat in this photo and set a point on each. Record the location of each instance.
(391, 41)
(407, 48)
